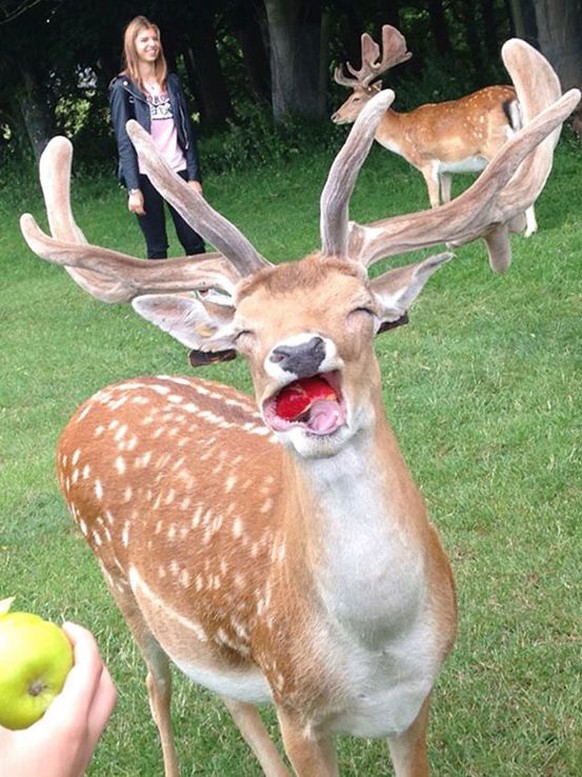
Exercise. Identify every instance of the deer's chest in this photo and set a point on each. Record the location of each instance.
(383, 688)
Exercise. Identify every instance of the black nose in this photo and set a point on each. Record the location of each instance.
(303, 360)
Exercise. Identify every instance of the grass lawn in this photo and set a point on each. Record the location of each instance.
(483, 390)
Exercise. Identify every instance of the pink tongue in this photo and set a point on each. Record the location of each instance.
(324, 416)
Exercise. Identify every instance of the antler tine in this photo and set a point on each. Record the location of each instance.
(393, 50)
(535, 81)
(341, 179)
(362, 77)
(55, 175)
(341, 79)
(121, 278)
(193, 207)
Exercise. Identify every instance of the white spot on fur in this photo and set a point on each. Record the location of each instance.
(98, 489)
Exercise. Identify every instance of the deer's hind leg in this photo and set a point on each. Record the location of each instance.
(531, 222)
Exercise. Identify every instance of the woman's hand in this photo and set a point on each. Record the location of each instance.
(196, 185)
(135, 202)
(62, 742)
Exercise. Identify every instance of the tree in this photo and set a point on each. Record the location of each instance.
(559, 24)
(555, 27)
(295, 57)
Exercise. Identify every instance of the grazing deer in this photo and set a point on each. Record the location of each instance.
(282, 553)
(438, 139)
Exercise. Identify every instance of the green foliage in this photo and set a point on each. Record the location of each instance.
(482, 389)
(254, 140)
(443, 78)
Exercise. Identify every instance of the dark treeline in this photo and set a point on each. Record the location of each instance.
(244, 59)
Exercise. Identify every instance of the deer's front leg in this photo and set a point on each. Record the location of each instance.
(255, 734)
(408, 751)
(433, 184)
(311, 753)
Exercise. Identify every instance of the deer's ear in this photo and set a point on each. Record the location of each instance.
(203, 326)
(396, 290)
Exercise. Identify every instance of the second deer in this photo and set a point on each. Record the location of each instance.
(438, 139)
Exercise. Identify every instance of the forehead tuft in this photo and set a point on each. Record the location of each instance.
(306, 274)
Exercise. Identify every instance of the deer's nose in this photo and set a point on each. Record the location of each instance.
(303, 359)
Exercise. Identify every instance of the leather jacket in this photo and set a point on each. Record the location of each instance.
(127, 101)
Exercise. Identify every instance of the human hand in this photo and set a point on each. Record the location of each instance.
(197, 186)
(135, 202)
(62, 742)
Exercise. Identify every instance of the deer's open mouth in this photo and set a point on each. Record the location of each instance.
(314, 403)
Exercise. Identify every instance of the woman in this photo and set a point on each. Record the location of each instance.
(145, 91)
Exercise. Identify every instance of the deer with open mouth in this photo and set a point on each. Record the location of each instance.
(275, 548)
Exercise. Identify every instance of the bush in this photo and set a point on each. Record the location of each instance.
(254, 140)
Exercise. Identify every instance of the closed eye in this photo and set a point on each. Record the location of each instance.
(364, 309)
(242, 334)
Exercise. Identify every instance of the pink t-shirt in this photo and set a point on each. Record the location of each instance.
(163, 130)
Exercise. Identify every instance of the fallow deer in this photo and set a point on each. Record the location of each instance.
(438, 139)
(280, 553)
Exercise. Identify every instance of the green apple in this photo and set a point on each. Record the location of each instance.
(35, 658)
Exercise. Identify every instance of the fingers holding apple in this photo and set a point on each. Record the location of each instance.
(89, 690)
(35, 659)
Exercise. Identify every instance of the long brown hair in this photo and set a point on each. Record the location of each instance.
(130, 59)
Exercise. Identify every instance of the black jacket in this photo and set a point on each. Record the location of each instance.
(127, 101)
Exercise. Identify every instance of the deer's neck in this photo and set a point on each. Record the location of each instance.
(391, 132)
(356, 536)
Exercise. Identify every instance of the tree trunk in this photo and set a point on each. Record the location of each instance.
(559, 25)
(246, 25)
(35, 110)
(438, 25)
(524, 20)
(472, 25)
(215, 105)
(493, 28)
(295, 43)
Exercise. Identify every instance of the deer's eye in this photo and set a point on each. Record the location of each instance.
(242, 335)
(361, 316)
(365, 310)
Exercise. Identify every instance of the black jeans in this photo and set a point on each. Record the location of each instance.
(153, 224)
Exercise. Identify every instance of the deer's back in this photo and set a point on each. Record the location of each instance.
(474, 125)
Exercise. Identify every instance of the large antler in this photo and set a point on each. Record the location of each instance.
(115, 277)
(393, 53)
(487, 209)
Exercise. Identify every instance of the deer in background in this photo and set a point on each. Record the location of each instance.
(277, 549)
(438, 139)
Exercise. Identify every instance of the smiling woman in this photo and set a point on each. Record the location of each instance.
(145, 91)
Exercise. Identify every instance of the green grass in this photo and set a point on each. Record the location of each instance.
(483, 390)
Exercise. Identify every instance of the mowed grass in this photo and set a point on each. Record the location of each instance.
(482, 388)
